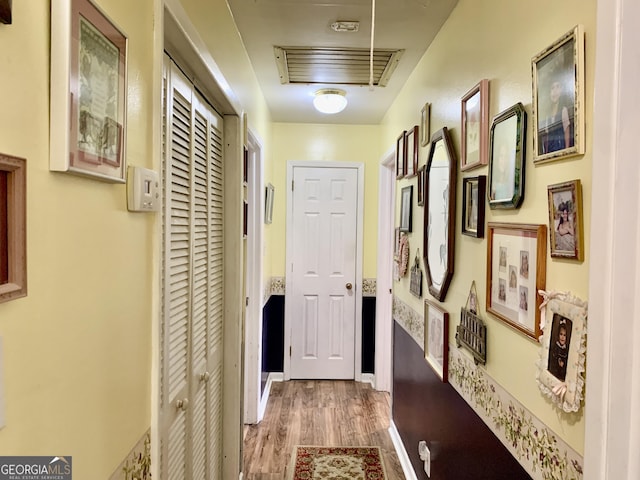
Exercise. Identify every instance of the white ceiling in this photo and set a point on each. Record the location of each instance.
(399, 24)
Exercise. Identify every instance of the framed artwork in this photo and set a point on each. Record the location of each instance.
(88, 92)
(245, 218)
(563, 345)
(516, 271)
(5, 11)
(473, 195)
(436, 339)
(475, 126)
(396, 243)
(440, 214)
(507, 158)
(245, 165)
(406, 199)
(411, 149)
(558, 98)
(425, 125)
(13, 227)
(268, 203)
(401, 155)
(422, 175)
(565, 220)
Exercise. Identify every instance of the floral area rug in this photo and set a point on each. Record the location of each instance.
(337, 463)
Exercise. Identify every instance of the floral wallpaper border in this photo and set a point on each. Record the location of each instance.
(369, 287)
(276, 286)
(137, 465)
(538, 449)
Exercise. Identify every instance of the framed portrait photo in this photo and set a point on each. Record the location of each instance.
(561, 366)
(436, 339)
(565, 220)
(516, 271)
(406, 199)
(425, 125)
(507, 158)
(411, 148)
(473, 195)
(475, 126)
(401, 155)
(88, 92)
(558, 98)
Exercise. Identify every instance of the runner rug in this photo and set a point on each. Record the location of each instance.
(337, 463)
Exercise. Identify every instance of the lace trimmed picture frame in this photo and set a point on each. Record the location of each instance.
(561, 366)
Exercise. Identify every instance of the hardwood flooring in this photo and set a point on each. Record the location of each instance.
(317, 412)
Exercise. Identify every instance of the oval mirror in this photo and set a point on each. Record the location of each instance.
(440, 214)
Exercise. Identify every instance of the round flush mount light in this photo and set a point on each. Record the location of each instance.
(330, 100)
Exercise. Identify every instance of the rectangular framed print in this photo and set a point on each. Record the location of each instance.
(88, 92)
(516, 272)
(436, 339)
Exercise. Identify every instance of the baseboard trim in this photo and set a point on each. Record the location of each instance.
(407, 468)
(369, 378)
(273, 377)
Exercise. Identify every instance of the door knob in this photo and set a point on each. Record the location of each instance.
(204, 377)
(349, 286)
(182, 404)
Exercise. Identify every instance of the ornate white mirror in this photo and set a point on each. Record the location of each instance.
(440, 214)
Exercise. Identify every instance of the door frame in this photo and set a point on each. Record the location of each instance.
(253, 412)
(288, 324)
(384, 281)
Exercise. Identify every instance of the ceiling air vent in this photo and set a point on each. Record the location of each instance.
(335, 66)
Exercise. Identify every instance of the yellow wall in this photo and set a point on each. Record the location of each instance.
(315, 142)
(77, 349)
(496, 39)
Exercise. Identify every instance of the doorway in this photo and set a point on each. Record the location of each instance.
(323, 307)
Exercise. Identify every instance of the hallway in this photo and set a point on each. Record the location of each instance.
(331, 413)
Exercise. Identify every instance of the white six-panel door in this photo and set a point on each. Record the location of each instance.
(323, 271)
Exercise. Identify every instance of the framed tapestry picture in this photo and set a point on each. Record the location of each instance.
(88, 92)
(565, 220)
(436, 338)
(516, 271)
(507, 158)
(558, 98)
(475, 126)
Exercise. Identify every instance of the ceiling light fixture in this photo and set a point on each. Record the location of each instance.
(330, 100)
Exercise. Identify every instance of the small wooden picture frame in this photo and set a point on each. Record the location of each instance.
(475, 126)
(411, 148)
(406, 214)
(565, 220)
(473, 203)
(401, 155)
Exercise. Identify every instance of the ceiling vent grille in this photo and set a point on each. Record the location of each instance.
(335, 66)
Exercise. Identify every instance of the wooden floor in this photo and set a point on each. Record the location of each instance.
(323, 413)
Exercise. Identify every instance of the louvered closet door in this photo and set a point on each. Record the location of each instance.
(191, 385)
